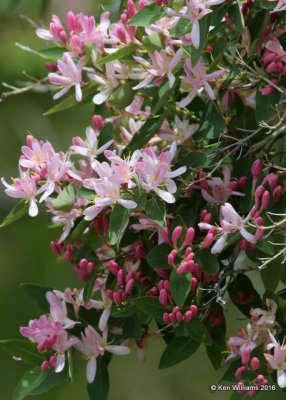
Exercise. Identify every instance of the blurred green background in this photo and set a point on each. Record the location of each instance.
(24, 247)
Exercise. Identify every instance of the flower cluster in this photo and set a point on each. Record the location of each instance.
(174, 194)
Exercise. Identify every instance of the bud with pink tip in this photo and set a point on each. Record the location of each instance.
(194, 284)
(265, 200)
(242, 182)
(272, 179)
(258, 194)
(194, 309)
(243, 244)
(190, 234)
(179, 316)
(166, 318)
(130, 286)
(188, 316)
(90, 267)
(142, 3)
(257, 168)
(245, 355)
(239, 372)
(163, 297)
(121, 277)
(255, 363)
(277, 193)
(171, 257)
(45, 366)
(165, 234)
(98, 122)
(259, 234)
(209, 239)
(113, 267)
(177, 232)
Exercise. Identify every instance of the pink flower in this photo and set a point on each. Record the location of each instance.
(58, 311)
(197, 80)
(55, 33)
(24, 187)
(62, 344)
(264, 317)
(36, 154)
(105, 305)
(155, 172)
(220, 189)
(95, 34)
(92, 345)
(194, 11)
(162, 63)
(107, 83)
(88, 148)
(181, 131)
(281, 6)
(57, 167)
(70, 75)
(240, 343)
(230, 222)
(277, 360)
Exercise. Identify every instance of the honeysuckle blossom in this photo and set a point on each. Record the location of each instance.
(277, 361)
(36, 154)
(104, 305)
(92, 33)
(240, 343)
(93, 345)
(75, 297)
(230, 222)
(155, 172)
(70, 75)
(181, 131)
(162, 26)
(62, 343)
(56, 168)
(264, 317)
(24, 187)
(56, 32)
(194, 11)
(162, 63)
(219, 190)
(280, 6)
(58, 311)
(107, 83)
(197, 80)
(88, 148)
(63, 218)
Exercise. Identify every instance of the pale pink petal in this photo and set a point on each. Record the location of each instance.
(91, 370)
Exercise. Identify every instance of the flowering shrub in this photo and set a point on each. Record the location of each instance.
(173, 196)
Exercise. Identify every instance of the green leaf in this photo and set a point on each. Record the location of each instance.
(38, 294)
(243, 294)
(208, 262)
(52, 379)
(178, 350)
(204, 31)
(66, 199)
(87, 194)
(147, 15)
(180, 287)
(118, 55)
(88, 289)
(214, 355)
(198, 331)
(99, 388)
(147, 131)
(158, 257)
(265, 246)
(151, 306)
(236, 17)
(118, 223)
(78, 230)
(70, 101)
(106, 134)
(29, 382)
(194, 159)
(271, 275)
(125, 312)
(16, 213)
(132, 328)
(22, 349)
(265, 105)
(156, 211)
(53, 54)
(122, 96)
(213, 125)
